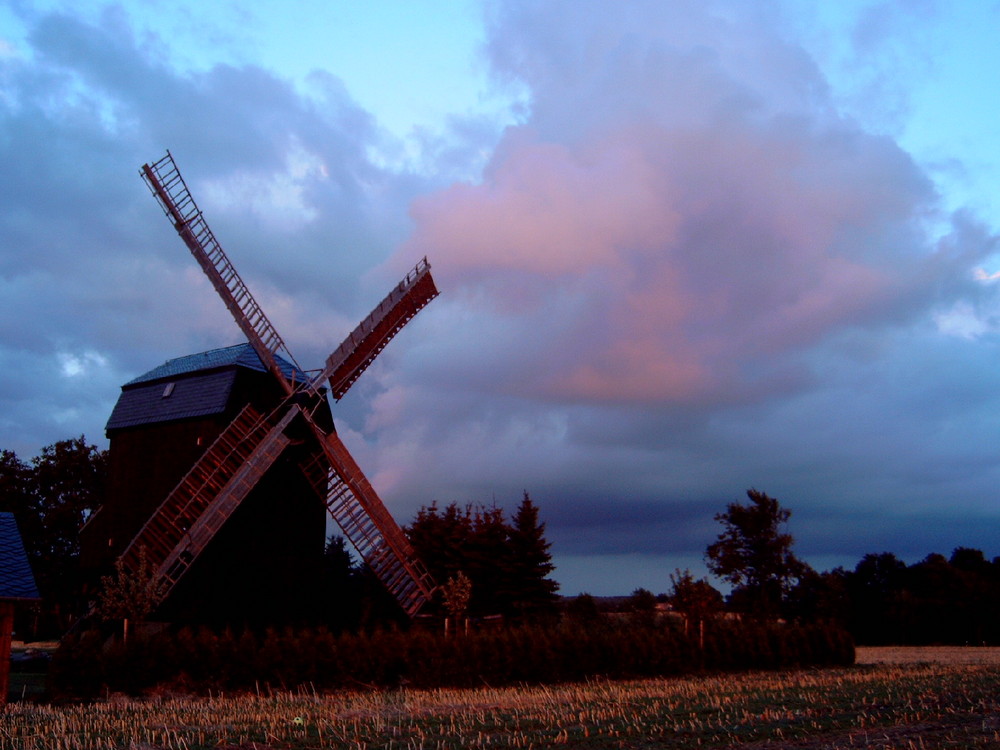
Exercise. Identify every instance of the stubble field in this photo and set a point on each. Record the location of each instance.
(893, 698)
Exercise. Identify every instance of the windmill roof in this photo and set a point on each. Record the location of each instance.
(240, 355)
(197, 385)
(190, 396)
(16, 579)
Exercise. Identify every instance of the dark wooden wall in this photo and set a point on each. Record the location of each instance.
(263, 567)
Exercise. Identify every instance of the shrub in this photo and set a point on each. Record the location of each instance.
(204, 660)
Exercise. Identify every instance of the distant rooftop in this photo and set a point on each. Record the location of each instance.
(16, 579)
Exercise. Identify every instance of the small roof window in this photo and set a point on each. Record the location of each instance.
(168, 389)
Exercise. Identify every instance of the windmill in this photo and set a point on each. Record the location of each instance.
(184, 524)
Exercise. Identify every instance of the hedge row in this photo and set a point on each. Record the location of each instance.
(201, 660)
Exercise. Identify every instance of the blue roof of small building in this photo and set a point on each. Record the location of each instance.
(16, 579)
(198, 385)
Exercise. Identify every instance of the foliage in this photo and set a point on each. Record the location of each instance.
(695, 600)
(935, 600)
(51, 498)
(582, 609)
(350, 595)
(755, 555)
(130, 595)
(532, 592)
(818, 596)
(203, 660)
(641, 605)
(508, 563)
(457, 591)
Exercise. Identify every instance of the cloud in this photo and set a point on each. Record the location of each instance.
(683, 274)
(670, 224)
(93, 280)
(682, 271)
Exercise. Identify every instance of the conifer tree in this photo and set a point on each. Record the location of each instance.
(488, 561)
(534, 593)
(508, 562)
(441, 538)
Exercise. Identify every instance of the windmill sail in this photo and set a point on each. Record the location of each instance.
(187, 520)
(364, 343)
(167, 185)
(372, 531)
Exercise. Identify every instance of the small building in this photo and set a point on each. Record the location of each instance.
(262, 567)
(17, 586)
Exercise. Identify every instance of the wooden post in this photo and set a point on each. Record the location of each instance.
(6, 631)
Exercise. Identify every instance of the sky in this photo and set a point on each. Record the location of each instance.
(684, 249)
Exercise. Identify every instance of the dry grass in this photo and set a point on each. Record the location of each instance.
(926, 703)
(982, 655)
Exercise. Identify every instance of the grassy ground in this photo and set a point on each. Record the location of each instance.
(913, 698)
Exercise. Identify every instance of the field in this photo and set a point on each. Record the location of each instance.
(893, 698)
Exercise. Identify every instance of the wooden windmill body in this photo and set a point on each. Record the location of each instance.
(259, 447)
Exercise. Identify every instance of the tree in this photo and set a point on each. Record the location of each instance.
(583, 609)
(339, 603)
(51, 498)
(533, 592)
(441, 538)
(642, 605)
(488, 561)
(876, 591)
(130, 595)
(755, 555)
(695, 600)
(457, 592)
(508, 562)
(819, 597)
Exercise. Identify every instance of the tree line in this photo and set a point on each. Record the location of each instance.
(505, 562)
(882, 600)
(504, 566)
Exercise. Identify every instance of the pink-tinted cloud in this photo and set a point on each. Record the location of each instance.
(682, 207)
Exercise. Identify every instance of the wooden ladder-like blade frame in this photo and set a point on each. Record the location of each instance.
(365, 342)
(367, 524)
(170, 190)
(191, 515)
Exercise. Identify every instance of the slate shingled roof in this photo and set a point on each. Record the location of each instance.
(197, 395)
(16, 579)
(187, 387)
(241, 355)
